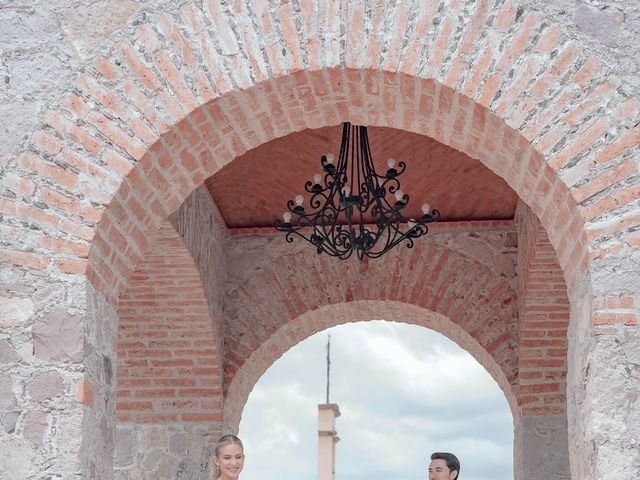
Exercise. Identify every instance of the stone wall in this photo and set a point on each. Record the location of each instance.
(171, 452)
(545, 94)
(41, 353)
(46, 43)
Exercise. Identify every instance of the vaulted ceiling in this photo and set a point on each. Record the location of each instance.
(252, 191)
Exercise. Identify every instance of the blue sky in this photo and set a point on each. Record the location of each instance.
(404, 391)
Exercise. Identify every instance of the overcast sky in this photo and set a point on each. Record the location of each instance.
(403, 391)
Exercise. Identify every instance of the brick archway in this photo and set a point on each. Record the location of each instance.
(288, 295)
(328, 316)
(176, 164)
(174, 101)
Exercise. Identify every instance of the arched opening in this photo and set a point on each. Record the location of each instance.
(163, 109)
(404, 391)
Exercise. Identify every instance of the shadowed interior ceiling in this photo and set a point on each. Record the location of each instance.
(252, 191)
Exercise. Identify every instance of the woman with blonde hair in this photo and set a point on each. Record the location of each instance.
(228, 458)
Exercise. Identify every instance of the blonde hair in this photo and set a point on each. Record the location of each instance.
(224, 440)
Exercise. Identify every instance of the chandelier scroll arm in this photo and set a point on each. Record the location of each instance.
(345, 197)
(420, 229)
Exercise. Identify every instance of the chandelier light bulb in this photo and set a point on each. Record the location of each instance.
(330, 158)
(391, 163)
(286, 216)
(399, 196)
(346, 190)
(317, 178)
(299, 199)
(426, 208)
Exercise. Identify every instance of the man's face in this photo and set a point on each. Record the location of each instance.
(438, 470)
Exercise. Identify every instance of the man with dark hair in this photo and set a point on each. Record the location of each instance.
(444, 466)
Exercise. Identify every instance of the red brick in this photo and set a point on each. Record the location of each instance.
(136, 406)
(46, 142)
(73, 266)
(23, 259)
(201, 417)
(622, 143)
(47, 170)
(19, 184)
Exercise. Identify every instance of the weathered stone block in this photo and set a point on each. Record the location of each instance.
(15, 311)
(58, 337)
(45, 386)
(167, 465)
(151, 461)
(124, 448)
(79, 23)
(26, 26)
(153, 438)
(9, 421)
(16, 118)
(7, 353)
(603, 25)
(23, 457)
(189, 470)
(7, 397)
(541, 448)
(66, 435)
(29, 74)
(611, 416)
(178, 444)
(35, 426)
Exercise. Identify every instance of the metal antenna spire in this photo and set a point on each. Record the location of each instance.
(328, 363)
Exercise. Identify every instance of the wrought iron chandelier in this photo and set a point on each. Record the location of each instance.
(348, 193)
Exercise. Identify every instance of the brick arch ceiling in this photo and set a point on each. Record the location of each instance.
(314, 321)
(252, 191)
(430, 277)
(163, 110)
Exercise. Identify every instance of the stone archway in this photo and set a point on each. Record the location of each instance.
(174, 101)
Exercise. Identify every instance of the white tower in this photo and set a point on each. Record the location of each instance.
(327, 439)
(327, 435)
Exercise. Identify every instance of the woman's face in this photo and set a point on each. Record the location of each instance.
(230, 461)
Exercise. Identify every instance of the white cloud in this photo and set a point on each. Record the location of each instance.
(403, 391)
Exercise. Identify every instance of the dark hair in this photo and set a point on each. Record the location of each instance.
(452, 461)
